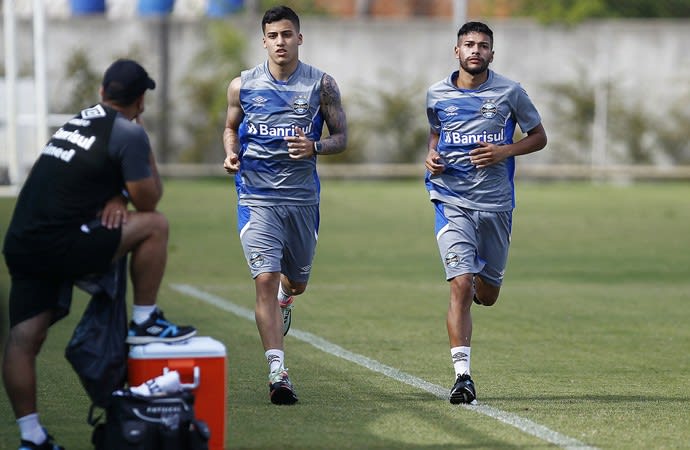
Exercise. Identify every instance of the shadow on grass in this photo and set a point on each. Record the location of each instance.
(592, 399)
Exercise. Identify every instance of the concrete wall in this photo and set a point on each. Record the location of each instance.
(648, 61)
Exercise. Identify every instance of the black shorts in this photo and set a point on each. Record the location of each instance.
(41, 280)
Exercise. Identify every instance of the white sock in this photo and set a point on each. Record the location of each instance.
(461, 360)
(141, 313)
(282, 296)
(275, 359)
(31, 429)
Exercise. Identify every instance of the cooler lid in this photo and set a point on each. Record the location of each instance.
(198, 346)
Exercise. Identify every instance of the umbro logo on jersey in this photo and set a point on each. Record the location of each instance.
(93, 113)
(451, 110)
(259, 100)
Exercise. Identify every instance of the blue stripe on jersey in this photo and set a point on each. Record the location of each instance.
(510, 162)
(449, 111)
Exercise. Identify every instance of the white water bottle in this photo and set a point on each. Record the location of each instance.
(163, 384)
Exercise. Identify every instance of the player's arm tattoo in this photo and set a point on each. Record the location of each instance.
(334, 116)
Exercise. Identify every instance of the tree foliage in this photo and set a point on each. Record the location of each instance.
(302, 7)
(386, 124)
(206, 86)
(634, 134)
(574, 11)
(83, 80)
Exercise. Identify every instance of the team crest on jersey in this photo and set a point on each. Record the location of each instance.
(489, 109)
(256, 260)
(300, 105)
(452, 259)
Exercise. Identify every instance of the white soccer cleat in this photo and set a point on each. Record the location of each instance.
(286, 309)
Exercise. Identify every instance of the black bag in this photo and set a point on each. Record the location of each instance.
(98, 348)
(159, 422)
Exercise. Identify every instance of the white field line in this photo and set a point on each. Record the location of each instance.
(522, 424)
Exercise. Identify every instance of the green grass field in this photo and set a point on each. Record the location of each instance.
(589, 339)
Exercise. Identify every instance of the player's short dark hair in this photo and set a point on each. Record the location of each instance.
(279, 13)
(477, 27)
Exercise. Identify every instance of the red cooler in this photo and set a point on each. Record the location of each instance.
(201, 363)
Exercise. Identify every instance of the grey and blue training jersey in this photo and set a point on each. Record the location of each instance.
(273, 110)
(465, 117)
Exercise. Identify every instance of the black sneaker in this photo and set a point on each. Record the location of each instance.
(158, 329)
(463, 390)
(47, 445)
(280, 390)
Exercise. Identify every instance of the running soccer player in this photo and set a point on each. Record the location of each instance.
(470, 166)
(272, 137)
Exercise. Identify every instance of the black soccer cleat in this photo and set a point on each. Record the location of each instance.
(463, 390)
(280, 389)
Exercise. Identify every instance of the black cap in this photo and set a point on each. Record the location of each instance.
(125, 80)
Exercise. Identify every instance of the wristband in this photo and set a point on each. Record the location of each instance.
(317, 147)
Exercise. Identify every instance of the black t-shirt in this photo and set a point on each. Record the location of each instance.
(85, 163)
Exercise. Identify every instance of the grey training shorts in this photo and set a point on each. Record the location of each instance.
(280, 238)
(472, 241)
